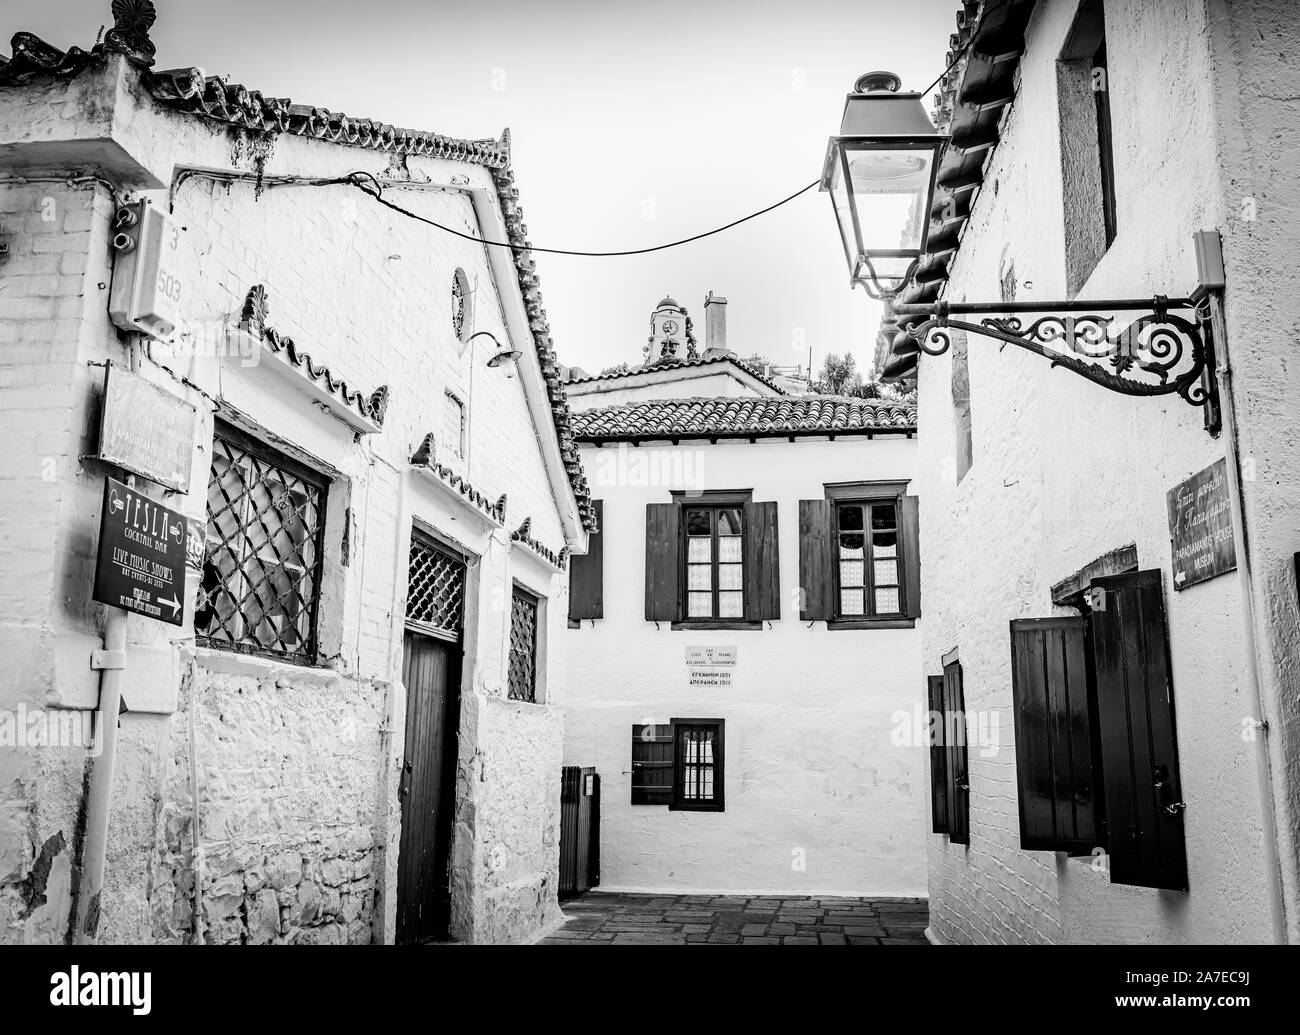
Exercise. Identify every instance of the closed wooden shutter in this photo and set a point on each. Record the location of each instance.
(587, 573)
(910, 533)
(958, 775)
(762, 563)
(938, 757)
(1135, 716)
(662, 562)
(1055, 727)
(652, 764)
(816, 562)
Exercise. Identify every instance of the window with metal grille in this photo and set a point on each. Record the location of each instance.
(867, 566)
(523, 646)
(435, 590)
(262, 566)
(715, 569)
(697, 765)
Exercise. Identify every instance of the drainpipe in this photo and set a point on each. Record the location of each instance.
(1263, 762)
(99, 797)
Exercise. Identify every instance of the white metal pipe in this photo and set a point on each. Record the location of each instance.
(99, 797)
(1263, 761)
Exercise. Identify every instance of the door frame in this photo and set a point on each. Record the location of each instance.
(450, 751)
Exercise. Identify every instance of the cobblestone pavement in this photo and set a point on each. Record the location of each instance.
(613, 919)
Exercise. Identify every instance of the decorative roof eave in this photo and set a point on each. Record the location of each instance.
(523, 536)
(190, 91)
(459, 488)
(970, 105)
(363, 412)
(129, 36)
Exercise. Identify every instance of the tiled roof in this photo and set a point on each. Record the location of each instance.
(524, 536)
(969, 104)
(188, 90)
(649, 369)
(424, 457)
(252, 320)
(744, 418)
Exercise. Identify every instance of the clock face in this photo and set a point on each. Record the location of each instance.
(670, 326)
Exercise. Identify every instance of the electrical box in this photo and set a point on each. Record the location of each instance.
(148, 289)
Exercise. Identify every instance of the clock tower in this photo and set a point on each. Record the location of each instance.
(671, 335)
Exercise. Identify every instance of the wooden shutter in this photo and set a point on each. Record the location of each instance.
(816, 561)
(909, 525)
(938, 757)
(652, 765)
(1135, 718)
(1054, 735)
(662, 562)
(587, 573)
(958, 775)
(762, 564)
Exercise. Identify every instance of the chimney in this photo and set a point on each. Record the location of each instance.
(715, 326)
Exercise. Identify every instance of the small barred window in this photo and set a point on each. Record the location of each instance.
(523, 646)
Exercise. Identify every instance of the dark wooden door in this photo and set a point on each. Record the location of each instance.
(1139, 747)
(431, 672)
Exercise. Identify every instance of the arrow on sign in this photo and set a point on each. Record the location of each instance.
(173, 603)
(1180, 578)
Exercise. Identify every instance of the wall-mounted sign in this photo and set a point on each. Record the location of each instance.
(141, 564)
(1200, 526)
(711, 655)
(589, 784)
(145, 429)
(719, 678)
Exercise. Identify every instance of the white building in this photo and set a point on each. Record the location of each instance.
(1090, 142)
(354, 734)
(743, 687)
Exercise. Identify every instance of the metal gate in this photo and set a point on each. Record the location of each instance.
(579, 830)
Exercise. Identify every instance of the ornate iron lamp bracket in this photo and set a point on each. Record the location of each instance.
(1165, 349)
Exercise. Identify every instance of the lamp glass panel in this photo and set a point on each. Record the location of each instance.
(891, 191)
(843, 213)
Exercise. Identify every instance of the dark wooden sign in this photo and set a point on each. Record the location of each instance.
(145, 429)
(141, 564)
(1200, 526)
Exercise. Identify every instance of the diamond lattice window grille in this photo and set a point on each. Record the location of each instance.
(261, 570)
(523, 647)
(435, 590)
(459, 303)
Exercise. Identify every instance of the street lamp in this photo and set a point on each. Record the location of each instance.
(880, 171)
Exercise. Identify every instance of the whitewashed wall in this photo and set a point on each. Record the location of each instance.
(298, 766)
(818, 798)
(1065, 471)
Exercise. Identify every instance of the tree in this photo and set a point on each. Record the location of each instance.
(620, 368)
(839, 376)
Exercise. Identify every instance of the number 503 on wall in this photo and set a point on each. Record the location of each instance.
(148, 286)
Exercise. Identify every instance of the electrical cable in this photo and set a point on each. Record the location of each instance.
(356, 179)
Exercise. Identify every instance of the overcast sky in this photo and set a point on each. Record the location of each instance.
(633, 124)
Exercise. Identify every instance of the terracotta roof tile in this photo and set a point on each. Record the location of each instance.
(744, 418)
(646, 368)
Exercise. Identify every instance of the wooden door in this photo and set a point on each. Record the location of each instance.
(431, 672)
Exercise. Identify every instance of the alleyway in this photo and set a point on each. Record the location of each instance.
(729, 920)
